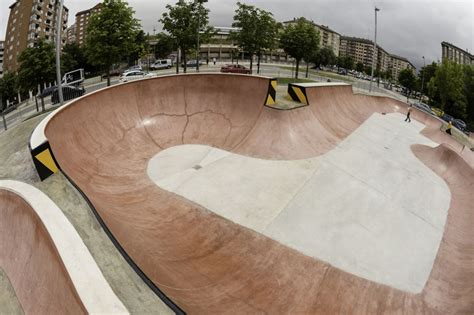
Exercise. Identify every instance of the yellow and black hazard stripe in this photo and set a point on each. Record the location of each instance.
(297, 94)
(271, 95)
(44, 161)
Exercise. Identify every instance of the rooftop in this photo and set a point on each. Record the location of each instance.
(460, 49)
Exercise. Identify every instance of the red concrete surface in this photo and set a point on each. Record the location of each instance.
(207, 264)
(31, 261)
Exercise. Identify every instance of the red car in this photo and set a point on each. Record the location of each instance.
(235, 69)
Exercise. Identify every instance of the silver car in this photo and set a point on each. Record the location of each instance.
(135, 75)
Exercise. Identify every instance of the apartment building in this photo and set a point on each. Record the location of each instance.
(29, 21)
(82, 20)
(1, 57)
(327, 37)
(397, 64)
(362, 50)
(71, 34)
(222, 47)
(456, 54)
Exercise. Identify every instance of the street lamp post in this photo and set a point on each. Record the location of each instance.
(59, 30)
(422, 79)
(198, 30)
(375, 49)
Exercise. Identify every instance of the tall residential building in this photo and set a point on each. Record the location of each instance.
(456, 54)
(71, 34)
(29, 21)
(327, 37)
(398, 64)
(1, 57)
(359, 49)
(362, 50)
(82, 20)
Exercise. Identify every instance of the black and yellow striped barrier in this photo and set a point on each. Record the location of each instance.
(44, 161)
(297, 93)
(271, 95)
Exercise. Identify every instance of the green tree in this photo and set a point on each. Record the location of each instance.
(325, 56)
(38, 66)
(345, 62)
(111, 34)
(300, 40)
(360, 67)
(73, 57)
(469, 93)
(368, 70)
(182, 21)
(8, 88)
(449, 85)
(257, 32)
(141, 47)
(408, 80)
(164, 46)
(425, 74)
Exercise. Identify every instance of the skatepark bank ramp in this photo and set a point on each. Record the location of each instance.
(206, 260)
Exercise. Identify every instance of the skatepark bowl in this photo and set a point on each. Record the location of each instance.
(231, 206)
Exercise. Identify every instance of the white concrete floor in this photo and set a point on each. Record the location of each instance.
(369, 206)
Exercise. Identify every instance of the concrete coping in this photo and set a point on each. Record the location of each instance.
(319, 84)
(94, 291)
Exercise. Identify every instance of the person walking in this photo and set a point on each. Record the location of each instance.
(408, 114)
(448, 128)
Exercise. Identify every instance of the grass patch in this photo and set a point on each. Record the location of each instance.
(285, 81)
(324, 74)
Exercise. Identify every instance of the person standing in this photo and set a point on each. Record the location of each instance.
(214, 60)
(448, 128)
(408, 114)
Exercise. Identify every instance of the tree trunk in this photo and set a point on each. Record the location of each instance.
(108, 75)
(184, 61)
(307, 68)
(177, 61)
(258, 64)
(251, 63)
(297, 68)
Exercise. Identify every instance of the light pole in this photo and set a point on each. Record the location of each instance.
(422, 79)
(59, 31)
(198, 30)
(375, 49)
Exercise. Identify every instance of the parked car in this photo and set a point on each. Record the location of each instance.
(461, 125)
(424, 107)
(162, 64)
(135, 75)
(69, 92)
(437, 111)
(447, 118)
(343, 71)
(47, 92)
(191, 63)
(134, 68)
(235, 69)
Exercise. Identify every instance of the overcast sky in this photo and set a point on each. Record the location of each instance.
(409, 28)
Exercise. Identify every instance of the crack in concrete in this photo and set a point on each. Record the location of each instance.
(187, 116)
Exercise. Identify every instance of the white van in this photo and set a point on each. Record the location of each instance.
(162, 64)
